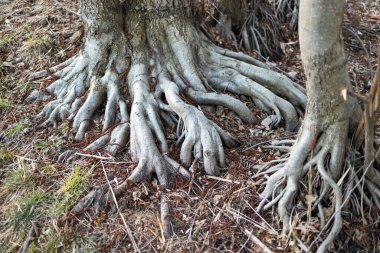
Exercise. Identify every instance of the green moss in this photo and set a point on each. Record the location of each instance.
(37, 45)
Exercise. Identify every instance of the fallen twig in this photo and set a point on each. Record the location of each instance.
(28, 238)
(257, 241)
(129, 232)
(94, 156)
(223, 179)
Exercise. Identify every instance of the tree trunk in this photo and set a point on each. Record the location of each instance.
(324, 61)
(101, 16)
(324, 132)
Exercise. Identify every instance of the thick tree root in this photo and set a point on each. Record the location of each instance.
(85, 82)
(168, 77)
(167, 67)
(322, 150)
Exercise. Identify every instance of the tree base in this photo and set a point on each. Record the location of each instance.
(318, 156)
(165, 71)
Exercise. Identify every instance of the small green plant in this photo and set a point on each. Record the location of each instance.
(5, 40)
(52, 243)
(4, 104)
(2, 74)
(23, 87)
(28, 209)
(72, 188)
(48, 168)
(18, 178)
(40, 145)
(4, 247)
(75, 182)
(6, 156)
(33, 248)
(63, 128)
(55, 241)
(15, 129)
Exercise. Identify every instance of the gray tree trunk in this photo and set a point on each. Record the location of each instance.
(329, 112)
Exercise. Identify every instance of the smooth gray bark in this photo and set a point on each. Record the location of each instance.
(329, 112)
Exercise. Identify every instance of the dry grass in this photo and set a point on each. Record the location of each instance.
(209, 214)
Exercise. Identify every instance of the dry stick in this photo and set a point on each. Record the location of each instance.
(257, 241)
(373, 101)
(94, 156)
(370, 116)
(129, 232)
(25, 245)
(223, 179)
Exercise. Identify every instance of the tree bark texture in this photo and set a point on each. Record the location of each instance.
(320, 149)
(152, 56)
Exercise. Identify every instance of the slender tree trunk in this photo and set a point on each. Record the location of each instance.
(323, 59)
(328, 81)
(329, 112)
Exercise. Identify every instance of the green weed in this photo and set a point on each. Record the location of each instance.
(6, 155)
(48, 169)
(29, 208)
(15, 129)
(4, 104)
(51, 244)
(5, 40)
(72, 188)
(18, 178)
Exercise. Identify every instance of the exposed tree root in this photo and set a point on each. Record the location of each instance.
(165, 67)
(85, 83)
(168, 77)
(314, 149)
(255, 25)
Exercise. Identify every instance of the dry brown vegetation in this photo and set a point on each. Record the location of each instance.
(209, 214)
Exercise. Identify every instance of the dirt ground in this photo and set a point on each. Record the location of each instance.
(210, 214)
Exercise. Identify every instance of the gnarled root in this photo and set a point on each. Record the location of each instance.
(166, 72)
(270, 91)
(320, 154)
(85, 82)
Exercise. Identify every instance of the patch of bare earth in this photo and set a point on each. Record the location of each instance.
(209, 214)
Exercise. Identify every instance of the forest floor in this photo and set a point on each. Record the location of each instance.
(211, 214)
